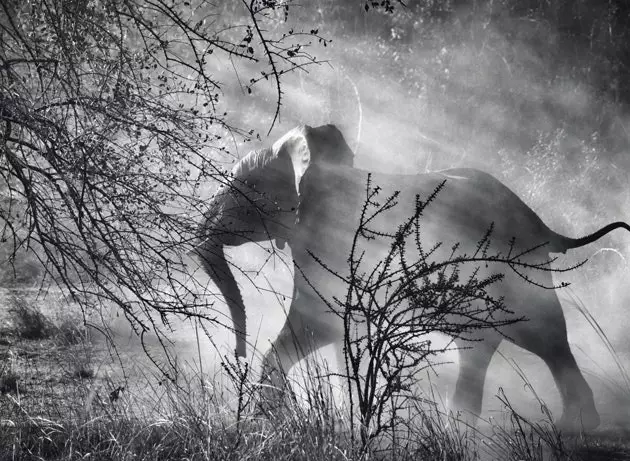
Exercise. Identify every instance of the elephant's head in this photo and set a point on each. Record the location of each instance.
(261, 202)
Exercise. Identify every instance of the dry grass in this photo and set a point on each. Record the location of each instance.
(53, 405)
(30, 322)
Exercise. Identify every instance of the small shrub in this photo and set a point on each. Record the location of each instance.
(30, 322)
(84, 371)
(9, 382)
(77, 359)
(71, 332)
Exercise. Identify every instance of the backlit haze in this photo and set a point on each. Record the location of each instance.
(491, 91)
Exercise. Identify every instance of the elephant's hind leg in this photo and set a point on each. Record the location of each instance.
(579, 412)
(546, 336)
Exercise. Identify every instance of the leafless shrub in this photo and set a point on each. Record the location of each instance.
(390, 307)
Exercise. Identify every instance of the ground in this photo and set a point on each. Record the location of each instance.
(61, 398)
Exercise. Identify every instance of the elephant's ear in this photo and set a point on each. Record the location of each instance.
(304, 146)
(294, 146)
(263, 197)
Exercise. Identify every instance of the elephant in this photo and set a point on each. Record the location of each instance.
(305, 191)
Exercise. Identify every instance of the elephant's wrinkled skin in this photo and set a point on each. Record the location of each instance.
(304, 191)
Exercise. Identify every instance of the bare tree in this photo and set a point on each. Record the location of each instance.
(110, 118)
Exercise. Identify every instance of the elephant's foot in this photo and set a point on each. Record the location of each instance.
(578, 419)
(460, 420)
(273, 392)
(465, 408)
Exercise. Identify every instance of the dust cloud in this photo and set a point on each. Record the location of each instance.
(499, 95)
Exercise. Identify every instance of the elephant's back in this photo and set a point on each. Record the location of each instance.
(468, 203)
(477, 199)
(464, 204)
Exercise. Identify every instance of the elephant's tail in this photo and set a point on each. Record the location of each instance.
(561, 244)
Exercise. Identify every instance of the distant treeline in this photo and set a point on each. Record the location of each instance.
(574, 29)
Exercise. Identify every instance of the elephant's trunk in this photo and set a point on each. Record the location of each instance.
(213, 259)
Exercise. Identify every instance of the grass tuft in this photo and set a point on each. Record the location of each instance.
(71, 332)
(9, 382)
(84, 372)
(30, 322)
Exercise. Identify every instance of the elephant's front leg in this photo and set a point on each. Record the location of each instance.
(306, 329)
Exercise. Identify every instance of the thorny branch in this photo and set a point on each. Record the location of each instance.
(392, 303)
(111, 117)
